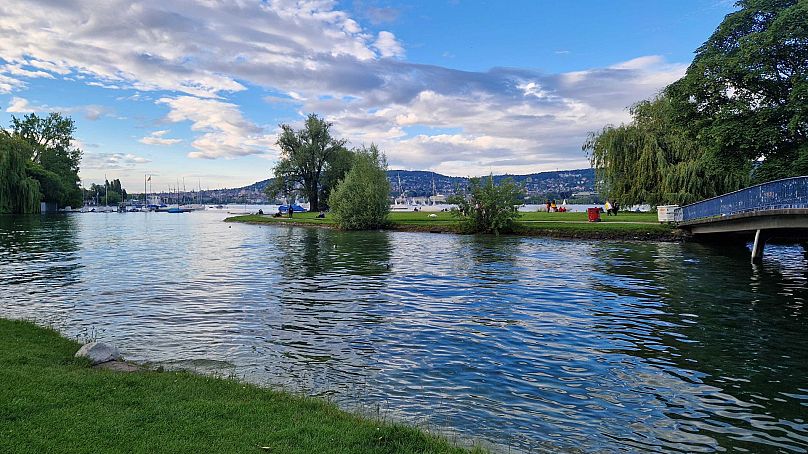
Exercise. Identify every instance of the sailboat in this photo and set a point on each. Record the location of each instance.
(195, 206)
(400, 203)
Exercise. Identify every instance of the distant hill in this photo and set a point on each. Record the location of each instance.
(562, 184)
(418, 183)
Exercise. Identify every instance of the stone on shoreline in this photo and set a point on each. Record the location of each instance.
(98, 352)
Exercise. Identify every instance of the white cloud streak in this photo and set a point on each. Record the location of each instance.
(21, 105)
(158, 138)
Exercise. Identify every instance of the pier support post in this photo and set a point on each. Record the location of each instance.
(757, 247)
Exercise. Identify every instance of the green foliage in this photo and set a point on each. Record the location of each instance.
(657, 161)
(488, 207)
(361, 200)
(53, 161)
(305, 154)
(19, 193)
(110, 193)
(335, 170)
(746, 92)
(738, 116)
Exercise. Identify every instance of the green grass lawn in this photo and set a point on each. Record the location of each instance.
(51, 402)
(628, 224)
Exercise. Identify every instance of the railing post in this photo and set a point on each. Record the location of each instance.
(757, 247)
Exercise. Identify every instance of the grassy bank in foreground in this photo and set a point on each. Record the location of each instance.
(51, 402)
(571, 225)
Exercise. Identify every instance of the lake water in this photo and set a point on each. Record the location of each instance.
(528, 343)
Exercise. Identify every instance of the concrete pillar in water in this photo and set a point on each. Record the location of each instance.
(757, 247)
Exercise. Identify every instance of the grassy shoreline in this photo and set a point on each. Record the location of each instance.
(52, 402)
(626, 226)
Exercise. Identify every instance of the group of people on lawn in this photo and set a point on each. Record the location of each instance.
(609, 208)
(552, 207)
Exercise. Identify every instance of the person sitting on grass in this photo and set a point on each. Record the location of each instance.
(321, 215)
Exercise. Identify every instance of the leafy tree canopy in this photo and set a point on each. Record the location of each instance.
(361, 200)
(305, 155)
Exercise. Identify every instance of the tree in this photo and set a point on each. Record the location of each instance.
(304, 155)
(52, 132)
(738, 116)
(746, 92)
(19, 193)
(335, 170)
(657, 161)
(488, 207)
(362, 199)
(53, 160)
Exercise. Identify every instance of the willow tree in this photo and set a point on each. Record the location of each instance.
(18, 192)
(655, 160)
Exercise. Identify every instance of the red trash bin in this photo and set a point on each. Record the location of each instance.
(593, 214)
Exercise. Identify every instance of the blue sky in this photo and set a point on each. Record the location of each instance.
(196, 90)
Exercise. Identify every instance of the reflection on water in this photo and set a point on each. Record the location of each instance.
(530, 343)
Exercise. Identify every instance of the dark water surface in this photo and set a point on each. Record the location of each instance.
(536, 344)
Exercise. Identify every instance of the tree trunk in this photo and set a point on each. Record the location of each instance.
(314, 204)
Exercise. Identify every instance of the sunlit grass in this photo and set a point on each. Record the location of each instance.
(535, 222)
(50, 402)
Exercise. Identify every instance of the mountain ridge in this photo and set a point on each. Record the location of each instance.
(419, 183)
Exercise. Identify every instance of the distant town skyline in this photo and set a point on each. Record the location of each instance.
(196, 90)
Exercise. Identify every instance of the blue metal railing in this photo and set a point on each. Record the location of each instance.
(779, 194)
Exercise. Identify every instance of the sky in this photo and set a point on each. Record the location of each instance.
(196, 90)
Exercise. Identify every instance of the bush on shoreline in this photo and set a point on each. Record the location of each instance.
(488, 207)
(361, 200)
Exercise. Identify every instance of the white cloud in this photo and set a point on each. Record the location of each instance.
(18, 105)
(388, 46)
(199, 48)
(21, 105)
(111, 161)
(225, 133)
(157, 138)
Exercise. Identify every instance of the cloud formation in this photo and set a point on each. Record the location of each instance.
(198, 53)
(21, 105)
(158, 138)
(111, 161)
(225, 133)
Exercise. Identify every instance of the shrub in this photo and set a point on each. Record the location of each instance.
(488, 207)
(361, 200)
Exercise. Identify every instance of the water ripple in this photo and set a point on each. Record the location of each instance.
(533, 344)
